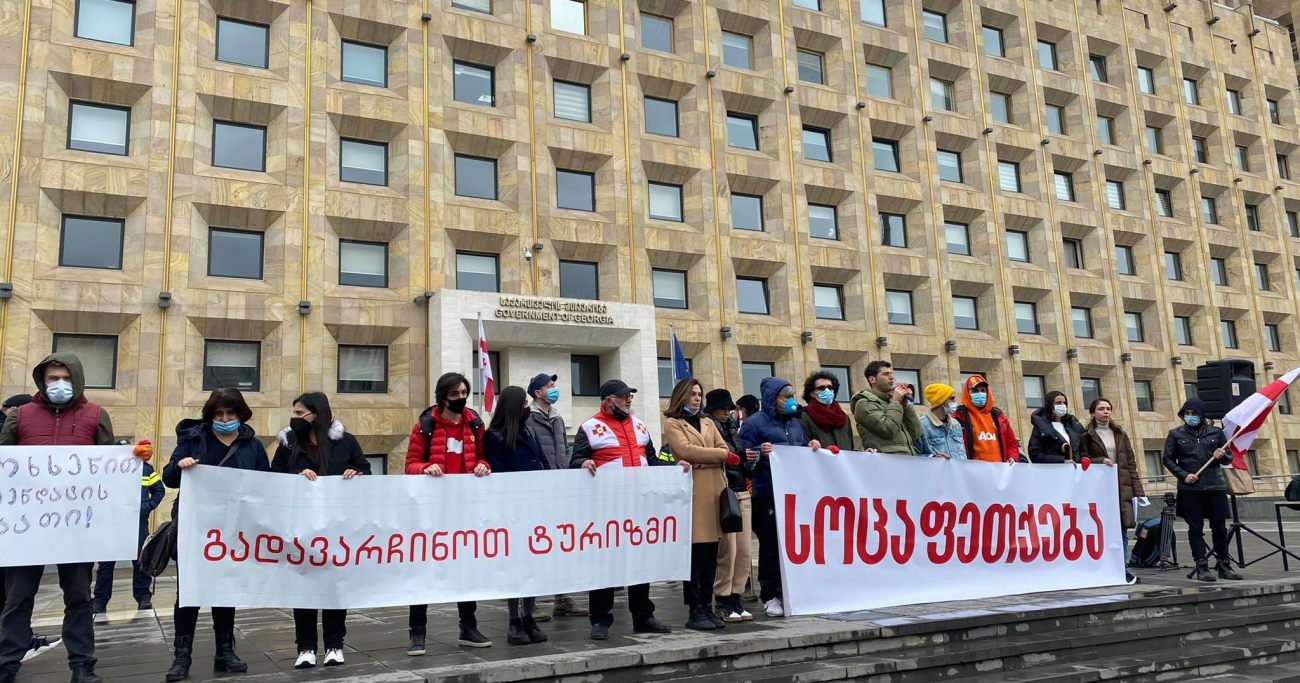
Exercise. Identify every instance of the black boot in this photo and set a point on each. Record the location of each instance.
(85, 674)
(515, 633)
(535, 634)
(183, 651)
(225, 660)
(1203, 572)
(1224, 570)
(699, 620)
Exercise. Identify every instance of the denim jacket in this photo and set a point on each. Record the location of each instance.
(941, 438)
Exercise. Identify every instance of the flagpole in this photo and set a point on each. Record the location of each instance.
(478, 359)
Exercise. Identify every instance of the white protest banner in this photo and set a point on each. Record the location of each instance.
(62, 504)
(255, 539)
(867, 530)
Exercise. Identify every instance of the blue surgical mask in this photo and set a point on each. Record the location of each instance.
(552, 395)
(825, 396)
(1192, 420)
(691, 411)
(59, 391)
(980, 400)
(790, 406)
(225, 427)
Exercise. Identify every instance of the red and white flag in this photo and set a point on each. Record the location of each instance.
(485, 369)
(1243, 422)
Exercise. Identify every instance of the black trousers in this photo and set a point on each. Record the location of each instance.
(1197, 506)
(186, 619)
(333, 624)
(418, 619)
(638, 603)
(704, 568)
(769, 554)
(141, 583)
(21, 584)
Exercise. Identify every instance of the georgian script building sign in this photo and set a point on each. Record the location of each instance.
(553, 310)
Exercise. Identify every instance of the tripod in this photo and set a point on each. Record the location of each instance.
(1168, 552)
(1234, 532)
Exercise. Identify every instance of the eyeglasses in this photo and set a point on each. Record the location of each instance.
(819, 387)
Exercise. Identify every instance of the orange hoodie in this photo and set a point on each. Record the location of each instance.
(989, 436)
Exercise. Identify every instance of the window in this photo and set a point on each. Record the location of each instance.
(751, 295)
(880, 81)
(665, 202)
(828, 302)
(747, 212)
(1082, 322)
(1027, 317)
(242, 42)
(1200, 150)
(235, 145)
(1133, 326)
(235, 253)
(365, 64)
(363, 162)
(993, 44)
(1147, 80)
(737, 50)
(908, 376)
(666, 376)
(1009, 176)
(809, 4)
(935, 26)
(949, 166)
(873, 12)
(98, 128)
(476, 177)
(1283, 167)
(233, 364)
(1090, 388)
(572, 101)
(1097, 66)
(86, 242)
(656, 33)
(942, 95)
(363, 264)
(1210, 210)
(958, 238)
(810, 67)
(1261, 277)
(841, 373)
(1234, 102)
(1155, 140)
(1183, 330)
(1106, 130)
(1293, 461)
(752, 375)
(1164, 204)
(965, 312)
(1274, 115)
(575, 190)
(1191, 92)
(477, 272)
(1243, 158)
(884, 154)
(1219, 271)
(742, 131)
(823, 222)
(816, 144)
(1252, 217)
(1228, 328)
(898, 307)
(474, 84)
(1154, 465)
(108, 21)
(1047, 55)
(1142, 395)
(1017, 246)
(1115, 194)
(893, 230)
(669, 288)
(1000, 107)
(1064, 185)
(1173, 266)
(363, 369)
(1293, 224)
(1273, 337)
(569, 15)
(1035, 389)
(1124, 260)
(98, 355)
(660, 116)
(1054, 117)
(585, 373)
(484, 6)
(579, 280)
(1284, 403)
(1072, 252)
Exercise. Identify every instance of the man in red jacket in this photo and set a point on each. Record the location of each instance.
(447, 439)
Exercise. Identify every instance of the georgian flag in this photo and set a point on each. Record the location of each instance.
(485, 369)
(1243, 422)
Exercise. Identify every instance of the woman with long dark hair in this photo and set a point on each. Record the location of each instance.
(316, 445)
(220, 437)
(511, 448)
(1058, 436)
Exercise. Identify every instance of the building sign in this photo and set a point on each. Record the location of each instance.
(553, 310)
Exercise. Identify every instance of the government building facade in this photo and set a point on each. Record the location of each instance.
(289, 195)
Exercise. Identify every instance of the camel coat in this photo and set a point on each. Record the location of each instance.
(707, 453)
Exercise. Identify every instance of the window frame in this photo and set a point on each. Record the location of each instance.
(828, 144)
(1001, 50)
(1146, 80)
(883, 219)
(889, 80)
(338, 379)
(801, 66)
(767, 302)
(686, 296)
(76, 22)
(676, 118)
(1183, 331)
(839, 296)
(1174, 260)
(63, 231)
(911, 307)
(926, 15)
(496, 188)
(681, 202)
(126, 132)
(1053, 59)
(1015, 169)
(257, 369)
(1131, 317)
(752, 122)
(964, 229)
(1143, 394)
(762, 222)
(975, 312)
(491, 78)
(1073, 252)
(1089, 331)
(117, 349)
(261, 252)
(382, 48)
(1098, 68)
(1068, 177)
(835, 221)
(343, 142)
(749, 50)
(940, 165)
(1228, 330)
(1033, 319)
(1024, 237)
(595, 277)
(591, 177)
(1124, 265)
(893, 152)
(218, 123)
(371, 243)
(266, 37)
(556, 84)
(496, 268)
(672, 32)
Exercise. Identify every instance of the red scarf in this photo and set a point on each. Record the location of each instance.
(829, 418)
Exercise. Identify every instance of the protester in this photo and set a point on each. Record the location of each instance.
(1058, 436)
(220, 437)
(510, 447)
(316, 445)
(746, 406)
(822, 418)
(151, 496)
(988, 433)
(1188, 449)
(734, 556)
(447, 439)
(546, 425)
(941, 436)
(883, 411)
(694, 438)
(775, 425)
(616, 437)
(1105, 439)
(58, 415)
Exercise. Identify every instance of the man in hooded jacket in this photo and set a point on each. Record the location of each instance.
(59, 415)
(988, 432)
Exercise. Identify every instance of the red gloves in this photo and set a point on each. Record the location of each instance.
(1085, 462)
(835, 450)
(733, 459)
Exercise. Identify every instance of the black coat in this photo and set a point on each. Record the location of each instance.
(1186, 449)
(345, 454)
(526, 456)
(736, 474)
(1045, 442)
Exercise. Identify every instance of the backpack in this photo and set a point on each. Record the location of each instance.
(426, 430)
(1146, 544)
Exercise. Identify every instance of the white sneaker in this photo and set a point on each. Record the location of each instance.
(774, 608)
(745, 615)
(40, 645)
(306, 660)
(333, 656)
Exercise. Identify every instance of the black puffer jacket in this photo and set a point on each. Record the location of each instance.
(1045, 442)
(1186, 449)
(345, 454)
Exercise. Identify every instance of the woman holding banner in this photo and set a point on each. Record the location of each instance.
(316, 445)
(1107, 440)
(220, 437)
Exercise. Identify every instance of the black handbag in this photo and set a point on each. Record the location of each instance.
(160, 548)
(729, 516)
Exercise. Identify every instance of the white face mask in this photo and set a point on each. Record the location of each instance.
(1061, 409)
(950, 407)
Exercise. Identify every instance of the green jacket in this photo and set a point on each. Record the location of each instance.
(884, 425)
(841, 438)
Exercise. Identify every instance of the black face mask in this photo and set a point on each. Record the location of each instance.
(618, 413)
(457, 405)
(299, 426)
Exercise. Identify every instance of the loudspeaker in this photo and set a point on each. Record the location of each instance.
(1222, 384)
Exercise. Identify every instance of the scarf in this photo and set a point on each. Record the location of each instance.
(828, 418)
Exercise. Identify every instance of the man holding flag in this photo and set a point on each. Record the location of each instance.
(1193, 453)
